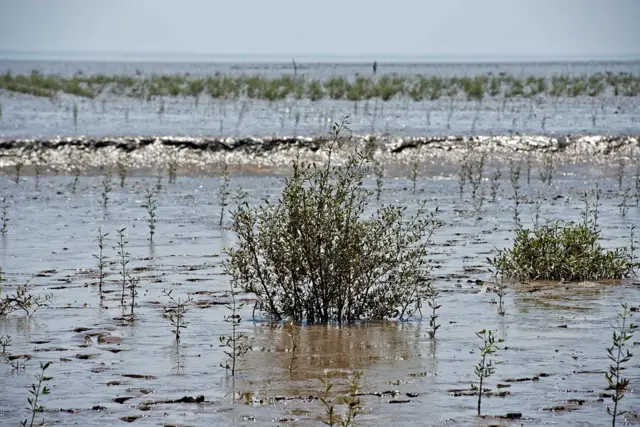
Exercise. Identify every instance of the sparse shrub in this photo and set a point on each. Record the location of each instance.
(561, 251)
(311, 256)
(486, 366)
(619, 354)
(38, 389)
(22, 300)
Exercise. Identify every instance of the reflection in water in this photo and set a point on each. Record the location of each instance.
(320, 348)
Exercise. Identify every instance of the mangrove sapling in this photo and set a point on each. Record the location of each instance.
(495, 184)
(414, 170)
(501, 291)
(122, 169)
(173, 167)
(632, 243)
(101, 257)
(236, 342)
(537, 207)
(17, 363)
(294, 347)
(151, 206)
(124, 261)
(134, 283)
(624, 205)
(159, 180)
(486, 366)
(620, 171)
(637, 183)
(475, 170)
(175, 313)
(546, 174)
(0, 110)
(18, 167)
(5, 217)
(431, 295)
(107, 186)
(529, 169)
(317, 227)
(223, 192)
(463, 173)
(38, 389)
(619, 354)
(378, 170)
(351, 401)
(75, 115)
(515, 184)
(76, 178)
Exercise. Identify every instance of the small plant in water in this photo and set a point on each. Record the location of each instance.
(236, 342)
(294, 347)
(486, 366)
(619, 354)
(378, 169)
(515, 184)
(101, 257)
(620, 171)
(134, 282)
(151, 206)
(432, 300)
(124, 261)
(5, 217)
(36, 391)
(107, 186)
(223, 192)
(350, 401)
(495, 184)
(624, 205)
(415, 169)
(22, 300)
(122, 169)
(75, 115)
(175, 313)
(18, 166)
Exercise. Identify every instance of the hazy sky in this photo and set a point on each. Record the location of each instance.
(427, 28)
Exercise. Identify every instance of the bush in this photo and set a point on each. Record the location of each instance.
(562, 251)
(312, 256)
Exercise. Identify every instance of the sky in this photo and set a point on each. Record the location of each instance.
(420, 29)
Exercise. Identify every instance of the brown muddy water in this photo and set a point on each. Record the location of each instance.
(107, 369)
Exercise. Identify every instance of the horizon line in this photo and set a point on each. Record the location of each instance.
(288, 57)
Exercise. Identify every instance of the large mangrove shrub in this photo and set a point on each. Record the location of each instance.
(316, 256)
(562, 251)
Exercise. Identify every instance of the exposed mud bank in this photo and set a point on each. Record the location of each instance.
(202, 154)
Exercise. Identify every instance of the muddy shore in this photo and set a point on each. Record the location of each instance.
(203, 154)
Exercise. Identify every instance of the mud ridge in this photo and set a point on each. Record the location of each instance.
(201, 153)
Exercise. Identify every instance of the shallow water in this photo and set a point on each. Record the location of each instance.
(109, 115)
(555, 332)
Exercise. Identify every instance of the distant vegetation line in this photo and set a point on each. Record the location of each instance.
(356, 88)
